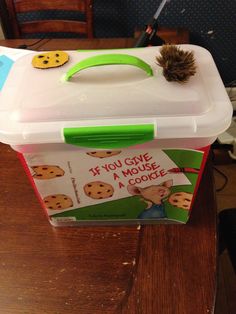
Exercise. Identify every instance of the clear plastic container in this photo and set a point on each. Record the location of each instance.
(113, 143)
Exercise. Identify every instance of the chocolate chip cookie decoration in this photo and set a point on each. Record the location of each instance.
(58, 202)
(181, 200)
(44, 172)
(104, 153)
(52, 59)
(98, 190)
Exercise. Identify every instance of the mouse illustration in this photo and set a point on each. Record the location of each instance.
(153, 196)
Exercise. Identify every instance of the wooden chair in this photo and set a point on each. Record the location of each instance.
(15, 27)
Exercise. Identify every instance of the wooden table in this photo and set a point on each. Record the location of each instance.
(153, 269)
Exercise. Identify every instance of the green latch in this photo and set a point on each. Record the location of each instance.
(109, 137)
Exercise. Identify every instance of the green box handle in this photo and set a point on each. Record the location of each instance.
(108, 59)
(109, 137)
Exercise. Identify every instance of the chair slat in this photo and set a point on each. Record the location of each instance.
(30, 5)
(10, 10)
(54, 26)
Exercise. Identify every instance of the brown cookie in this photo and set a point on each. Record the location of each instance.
(181, 200)
(58, 201)
(98, 190)
(104, 153)
(44, 172)
(52, 59)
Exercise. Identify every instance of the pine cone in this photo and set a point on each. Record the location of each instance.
(178, 65)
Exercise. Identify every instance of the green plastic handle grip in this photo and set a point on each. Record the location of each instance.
(108, 59)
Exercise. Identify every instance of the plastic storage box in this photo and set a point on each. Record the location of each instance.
(114, 143)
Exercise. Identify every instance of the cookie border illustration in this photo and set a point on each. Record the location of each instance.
(59, 198)
(37, 176)
(103, 153)
(91, 190)
(181, 195)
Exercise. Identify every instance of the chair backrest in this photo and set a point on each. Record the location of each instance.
(40, 22)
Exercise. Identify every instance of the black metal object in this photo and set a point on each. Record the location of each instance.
(149, 34)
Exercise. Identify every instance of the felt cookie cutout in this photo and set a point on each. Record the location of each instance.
(98, 190)
(52, 59)
(181, 200)
(58, 201)
(104, 153)
(44, 172)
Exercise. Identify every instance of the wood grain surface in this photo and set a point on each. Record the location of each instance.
(166, 269)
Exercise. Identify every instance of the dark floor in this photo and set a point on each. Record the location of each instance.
(226, 198)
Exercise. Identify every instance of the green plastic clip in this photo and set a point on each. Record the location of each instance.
(109, 137)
